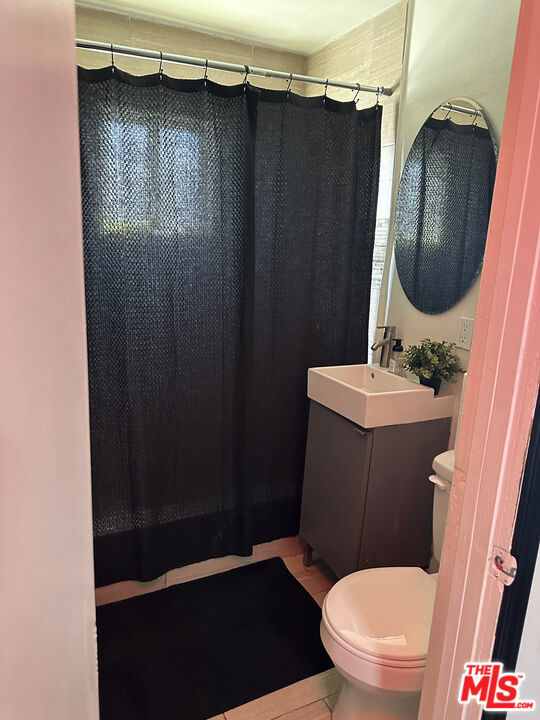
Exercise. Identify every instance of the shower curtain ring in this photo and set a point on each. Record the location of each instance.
(476, 116)
(205, 71)
(378, 94)
(160, 64)
(326, 87)
(246, 75)
(112, 57)
(448, 111)
(289, 84)
(358, 88)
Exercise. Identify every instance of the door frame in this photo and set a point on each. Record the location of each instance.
(500, 398)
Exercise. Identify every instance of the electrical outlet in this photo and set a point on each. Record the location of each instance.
(465, 333)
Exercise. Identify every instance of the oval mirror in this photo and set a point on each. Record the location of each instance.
(443, 205)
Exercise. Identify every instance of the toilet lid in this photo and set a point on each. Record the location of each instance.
(384, 613)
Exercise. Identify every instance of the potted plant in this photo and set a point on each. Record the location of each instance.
(432, 362)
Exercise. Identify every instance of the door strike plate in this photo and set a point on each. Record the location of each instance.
(503, 565)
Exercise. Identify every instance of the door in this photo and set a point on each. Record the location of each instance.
(335, 484)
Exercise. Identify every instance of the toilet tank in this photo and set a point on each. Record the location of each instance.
(443, 466)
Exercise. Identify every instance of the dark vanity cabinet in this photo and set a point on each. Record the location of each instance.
(367, 501)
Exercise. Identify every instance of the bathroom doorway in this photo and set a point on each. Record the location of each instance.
(49, 629)
(500, 399)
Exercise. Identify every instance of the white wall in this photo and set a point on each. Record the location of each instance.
(528, 660)
(48, 667)
(455, 48)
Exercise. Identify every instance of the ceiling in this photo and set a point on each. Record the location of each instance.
(301, 26)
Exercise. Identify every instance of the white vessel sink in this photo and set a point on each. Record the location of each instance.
(372, 397)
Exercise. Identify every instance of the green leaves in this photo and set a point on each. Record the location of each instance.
(432, 358)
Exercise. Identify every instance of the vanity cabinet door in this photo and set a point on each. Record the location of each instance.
(397, 527)
(335, 485)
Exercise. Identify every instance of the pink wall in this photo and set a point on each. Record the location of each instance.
(47, 617)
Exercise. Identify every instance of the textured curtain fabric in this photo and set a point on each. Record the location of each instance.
(316, 180)
(228, 239)
(442, 213)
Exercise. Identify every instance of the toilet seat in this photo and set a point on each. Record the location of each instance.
(383, 615)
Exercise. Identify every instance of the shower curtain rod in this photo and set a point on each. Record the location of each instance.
(229, 67)
(460, 109)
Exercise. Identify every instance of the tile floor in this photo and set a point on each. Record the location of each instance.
(309, 699)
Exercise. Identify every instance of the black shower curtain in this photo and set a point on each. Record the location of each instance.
(228, 237)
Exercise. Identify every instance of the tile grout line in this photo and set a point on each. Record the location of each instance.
(284, 715)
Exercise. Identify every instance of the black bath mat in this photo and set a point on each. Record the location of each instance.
(206, 646)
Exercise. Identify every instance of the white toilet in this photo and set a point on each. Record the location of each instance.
(376, 623)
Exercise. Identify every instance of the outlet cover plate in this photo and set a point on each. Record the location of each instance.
(465, 333)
